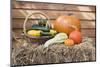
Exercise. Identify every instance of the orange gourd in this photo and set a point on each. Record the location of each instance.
(69, 42)
(76, 36)
(67, 24)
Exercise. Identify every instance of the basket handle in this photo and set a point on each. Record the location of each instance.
(27, 17)
(14, 36)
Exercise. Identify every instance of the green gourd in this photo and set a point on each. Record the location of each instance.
(46, 34)
(42, 22)
(59, 38)
(51, 33)
(42, 28)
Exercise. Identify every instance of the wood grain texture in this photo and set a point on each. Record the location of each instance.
(18, 23)
(53, 14)
(52, 6)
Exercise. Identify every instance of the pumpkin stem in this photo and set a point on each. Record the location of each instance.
(70, 14)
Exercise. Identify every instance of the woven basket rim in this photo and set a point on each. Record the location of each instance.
(39, 37)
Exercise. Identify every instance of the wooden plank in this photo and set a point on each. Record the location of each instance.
(88, 32)
(18, 23)
(51, 6)
(85, 32)
(53, 14)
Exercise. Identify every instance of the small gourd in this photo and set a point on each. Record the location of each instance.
(69, 42)
(53, 32)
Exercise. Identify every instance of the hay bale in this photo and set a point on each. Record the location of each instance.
(56, 53)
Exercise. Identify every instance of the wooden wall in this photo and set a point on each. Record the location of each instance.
(85, 13)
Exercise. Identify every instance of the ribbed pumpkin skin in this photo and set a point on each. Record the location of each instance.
(62, 24)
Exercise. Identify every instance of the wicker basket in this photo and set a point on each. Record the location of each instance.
(32, 39)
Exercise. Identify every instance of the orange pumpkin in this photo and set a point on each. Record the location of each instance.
(76, 36)
(67, 24)
(69, 42)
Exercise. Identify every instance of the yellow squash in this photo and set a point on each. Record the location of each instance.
(34, 32)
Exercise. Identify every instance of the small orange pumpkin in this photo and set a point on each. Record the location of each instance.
(66, 24)
(69, 42)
